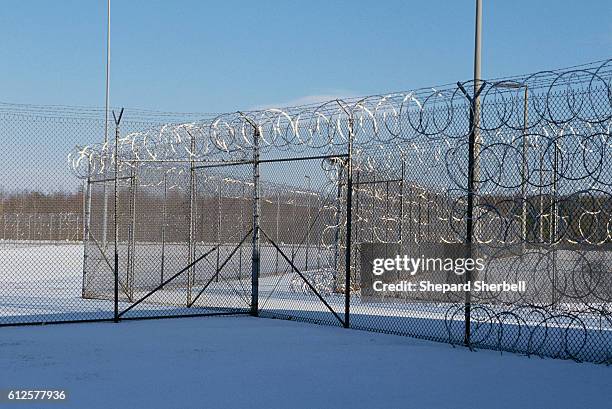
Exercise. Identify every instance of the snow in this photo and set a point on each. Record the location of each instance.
(43, 282)
(245, 362)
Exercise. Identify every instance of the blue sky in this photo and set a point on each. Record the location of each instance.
(207, 56)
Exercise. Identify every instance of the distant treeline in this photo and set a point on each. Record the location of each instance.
(419, 215)
(32, 215)
(33, 202)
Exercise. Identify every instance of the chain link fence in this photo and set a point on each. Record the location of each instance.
(270, 212)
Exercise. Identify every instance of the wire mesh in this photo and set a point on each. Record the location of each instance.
(521, 177)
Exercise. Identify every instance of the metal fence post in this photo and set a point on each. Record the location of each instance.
(59, 226)
(401, 210)
(553, 220)
(191, 247)
(86, 227)
(473, 171)
(83, 214)
(242, 196)
(525, 170)
(293, 230)
(309, 204)
(163, 229)
(30, 228)
(116, 228)
(469, 229)
(256, 245)
(337, 222)
(277, 229)
(473, 166)
(132, 232)
(219, 212)
(104, 211)
(349, 221)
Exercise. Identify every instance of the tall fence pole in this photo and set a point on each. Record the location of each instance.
(86, 227)
(401, 210)
(163, 228)
(553, 221)
(525, 177)
(469, 233)
(191, 247)
(337, 222)
(256, 245)
(219, 212)
(473, 166)
(309, 204)
(277, 229)
(132, 232)
(106, 104)
(115, 208)
(349, 222)
(293, 230)
(473, 171)
(242, 196)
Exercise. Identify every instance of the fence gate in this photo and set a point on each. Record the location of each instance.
(100, 237)
(184, 241)
(302, 238)
(222, 237)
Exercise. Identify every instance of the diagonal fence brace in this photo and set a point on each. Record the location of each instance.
(314, 290)
(220, 267)
(160, 286)
(108, 263)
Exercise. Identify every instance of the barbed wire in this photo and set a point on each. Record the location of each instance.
(398, 119)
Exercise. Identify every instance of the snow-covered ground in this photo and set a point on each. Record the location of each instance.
(244, 362)
(43, 282)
